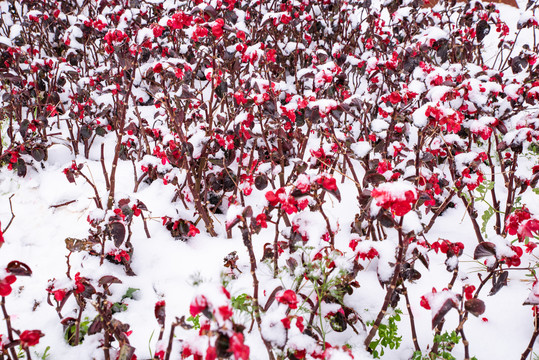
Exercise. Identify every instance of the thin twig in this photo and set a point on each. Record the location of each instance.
(12, 214)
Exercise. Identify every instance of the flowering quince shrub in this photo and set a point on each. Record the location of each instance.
(14, 341)
(268, 121)
(218, 335)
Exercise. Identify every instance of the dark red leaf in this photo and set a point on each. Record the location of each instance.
(18, 268)
(96, 326)
(271, 298)
(21, 168)
(372, 177)
(38, 154)
(70, 177)
(123, 202)
(484, 249)
(109, 279)
(261, 182)
(444, 309)
(498, 282)
(482, 29)
(117, 230)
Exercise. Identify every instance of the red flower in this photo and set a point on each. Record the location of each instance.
(395, 97)
(371, 254)
(530, 246)
(299, 323)
(211, 353)
(5, 285)
(515, 259)
(30, 338)
(158, 68)
(514, 220)
(225, 312)
(288, 297)
(468, 291)
(240, 350)
(193, 230)
(158, 31)
(270, 55)
(328, 183)
(286, 322)
(217, 28)
(275, 198)
(79, 286)
(398, 197)
(199, 32)
(59, 294)
(198, 305)
(179, 21)
(261, 220)
(527, 228)
(424, 302)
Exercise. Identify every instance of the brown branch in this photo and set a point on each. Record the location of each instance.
(396, 274)
(97, 198)
(170, 338)
(62, 204)
(440, 209)
(12, 214)
(102, 159)
(412, 321)
(532, 340)
(473, 215)
(247, 241)
(7, 319)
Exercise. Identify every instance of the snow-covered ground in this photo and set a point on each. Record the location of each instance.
(48, 209)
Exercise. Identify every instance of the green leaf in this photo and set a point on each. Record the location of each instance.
(195, 320)
(486, 217)
(129, 293)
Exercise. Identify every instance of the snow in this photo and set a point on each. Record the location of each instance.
(361, 148)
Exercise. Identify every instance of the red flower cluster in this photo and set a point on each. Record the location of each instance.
(288, 297)
(327, 183)
(447, 247)
(158, 68)
(439, 117)
(468, 291)
(522, 224)
(179, 21)
(371, 254)
(399, 197)
(530, 246)
(217, 28)
(119, 255)
(515, 259)
(288, 203)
